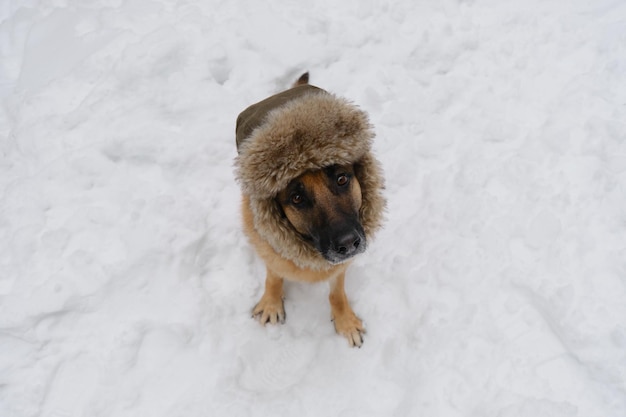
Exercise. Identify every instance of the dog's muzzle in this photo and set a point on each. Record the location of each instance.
(344, 244)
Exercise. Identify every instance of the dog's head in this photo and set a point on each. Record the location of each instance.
(323, 207)
(313, 185)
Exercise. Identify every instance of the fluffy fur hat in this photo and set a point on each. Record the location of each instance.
(301, 129)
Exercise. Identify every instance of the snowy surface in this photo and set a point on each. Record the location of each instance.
(496, 289)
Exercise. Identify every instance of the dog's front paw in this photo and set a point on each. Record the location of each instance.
(269, 310)
(350, 326)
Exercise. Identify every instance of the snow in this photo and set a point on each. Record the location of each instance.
(496, 289)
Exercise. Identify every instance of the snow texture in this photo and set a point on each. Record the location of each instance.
(496, 289)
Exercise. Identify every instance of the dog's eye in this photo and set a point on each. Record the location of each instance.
(297, 199)
(342, 179)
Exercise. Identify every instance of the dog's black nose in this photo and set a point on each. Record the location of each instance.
(346, 244)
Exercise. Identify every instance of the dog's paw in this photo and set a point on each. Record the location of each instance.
(351, 327)
(269, 311)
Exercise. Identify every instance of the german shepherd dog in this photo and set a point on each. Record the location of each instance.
(318, 210)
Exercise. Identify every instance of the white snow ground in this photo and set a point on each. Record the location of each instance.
(497, 288)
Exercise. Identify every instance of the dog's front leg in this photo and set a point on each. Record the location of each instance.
(346, 322)
(271, 307)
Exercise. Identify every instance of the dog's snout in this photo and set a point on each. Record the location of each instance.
(347, 243)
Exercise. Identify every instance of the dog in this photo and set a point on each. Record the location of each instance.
(311, 194)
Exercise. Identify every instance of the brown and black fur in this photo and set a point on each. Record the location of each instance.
(311, 194)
